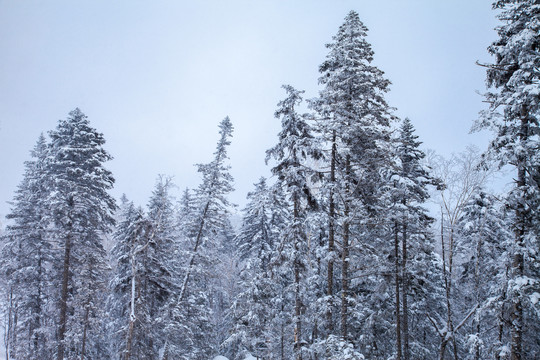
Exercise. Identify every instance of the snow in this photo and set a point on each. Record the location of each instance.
(505, 351)
(220, 357)
(522, 281)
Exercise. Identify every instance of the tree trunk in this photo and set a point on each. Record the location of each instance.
(345, 281)
(297, 295)
(517, 323)
(345, 259)
(450, 272)
(477, 346)
(331, 236)
(477, 295)
(195, 248)
(64, 297)
(447, 285)
(442, 349)
(398, 313)
(83, 350)
(37, 324)
(132, 317)
(11, 330)
(129, 339)
(282, 328)
(405, 293)
(500, 319)
(517, 308)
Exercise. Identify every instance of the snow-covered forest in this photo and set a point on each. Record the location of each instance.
(340, 254)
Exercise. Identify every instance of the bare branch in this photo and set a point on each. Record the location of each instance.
(473, 310)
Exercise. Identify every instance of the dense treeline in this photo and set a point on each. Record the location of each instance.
(337, 257)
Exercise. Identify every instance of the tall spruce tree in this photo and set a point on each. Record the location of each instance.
(254, 309)
(415, 271)
(26, 260)
(81, 210)
(161, 270)
(514, 88)
(295, 147)
(354, 122)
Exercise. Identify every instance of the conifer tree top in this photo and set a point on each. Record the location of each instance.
(225, 132)
(353, 88)
(514, 83)
(350, 46)
(75, 166)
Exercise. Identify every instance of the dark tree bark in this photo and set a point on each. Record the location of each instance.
(297, 295)
(396, 276)
(345, 263)
(405, 280)
(86, 314)
(516, 352)
(64, 297)
(331, 235)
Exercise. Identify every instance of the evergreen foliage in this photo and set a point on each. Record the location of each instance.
(81, 210)
(295, 148)
(26, 260)
(513, 115)
(336, 256)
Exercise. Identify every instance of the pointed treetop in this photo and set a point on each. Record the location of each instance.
(295, 138)
(39, 150)
(287, 105)
(260, 187)
(407, 135)
(225, 130)
(353, 95)
(217, 181)
(76, 129)
(77, 114)
(225, 133)
(226, 127)
(353, 24)
(350, 45)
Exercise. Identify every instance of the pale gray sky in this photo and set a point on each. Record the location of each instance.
(156, 77)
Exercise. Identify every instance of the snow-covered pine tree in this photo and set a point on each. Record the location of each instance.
(225, 284)
(254, 309)
(26, 260)
(483, 239)
(264, 215)
(354, 122)
(87, 330)
(126, 323)
(417, 275)
(295, 147)
(145, 281)
(212, 205)
(192, 307)
(185, 211)
(513, 82)
(81, 210)
(160, 274)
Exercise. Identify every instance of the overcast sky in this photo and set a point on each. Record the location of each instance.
(156, 77)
